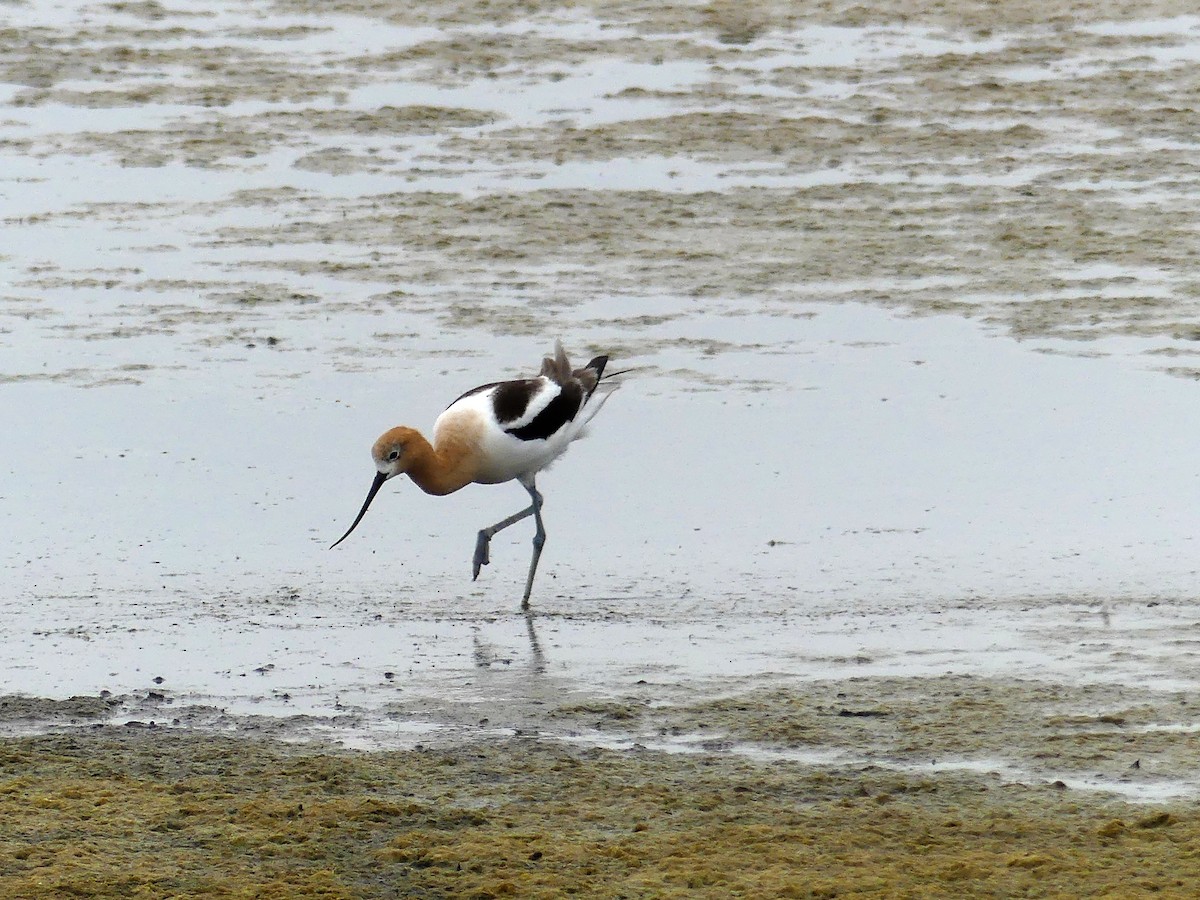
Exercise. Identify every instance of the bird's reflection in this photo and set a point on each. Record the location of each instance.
(537, 659)
(485, 656)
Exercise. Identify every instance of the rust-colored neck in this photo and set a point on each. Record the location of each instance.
(442, 470)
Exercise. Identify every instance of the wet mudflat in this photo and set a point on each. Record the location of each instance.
(876, 577)
(225, 171)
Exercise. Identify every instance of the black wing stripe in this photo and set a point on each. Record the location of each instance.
(511, 400)
(558, 412)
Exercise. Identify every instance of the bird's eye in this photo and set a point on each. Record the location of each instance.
(394, 455)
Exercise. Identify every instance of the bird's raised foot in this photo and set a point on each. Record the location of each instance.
(481, 554)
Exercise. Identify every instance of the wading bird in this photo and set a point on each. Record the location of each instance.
(494, 433)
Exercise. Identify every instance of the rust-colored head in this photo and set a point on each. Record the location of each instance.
(393, 451)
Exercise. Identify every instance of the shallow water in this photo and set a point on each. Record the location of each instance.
(904, 297)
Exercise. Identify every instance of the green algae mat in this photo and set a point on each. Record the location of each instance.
(119, 812)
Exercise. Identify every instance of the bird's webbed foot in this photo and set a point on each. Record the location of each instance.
(481, 553)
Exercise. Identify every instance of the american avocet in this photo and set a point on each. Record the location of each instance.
(494, 433)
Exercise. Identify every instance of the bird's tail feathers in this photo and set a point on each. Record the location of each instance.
(557, 367)
(593, 406)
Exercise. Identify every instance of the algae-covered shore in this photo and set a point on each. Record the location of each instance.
(132, 813)
(935, 787)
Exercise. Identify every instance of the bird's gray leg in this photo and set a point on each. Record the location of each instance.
(539, 540)
(485, 538)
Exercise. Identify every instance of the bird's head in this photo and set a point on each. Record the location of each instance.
(392, 454)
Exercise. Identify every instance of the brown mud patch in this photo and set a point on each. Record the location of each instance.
(119, 814)
(37, 712)
(1127, 740)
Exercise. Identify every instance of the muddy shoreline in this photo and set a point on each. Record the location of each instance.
(940, 786)
(123, 812)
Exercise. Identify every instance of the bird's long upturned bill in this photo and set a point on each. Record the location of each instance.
(380, 478)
